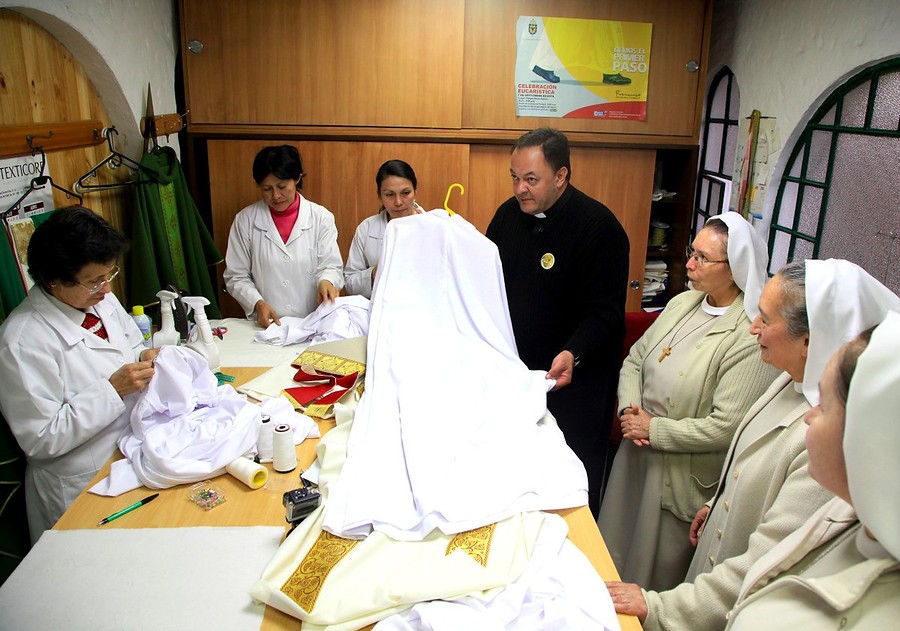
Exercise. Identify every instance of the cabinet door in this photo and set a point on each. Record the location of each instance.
(323, 62)
(673, 94)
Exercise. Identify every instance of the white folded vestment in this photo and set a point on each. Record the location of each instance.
(452, 422)
(344, 318)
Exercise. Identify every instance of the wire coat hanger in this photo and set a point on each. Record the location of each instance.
(114, 160)
(38, 183)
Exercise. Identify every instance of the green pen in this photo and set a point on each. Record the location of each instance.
(146, 500)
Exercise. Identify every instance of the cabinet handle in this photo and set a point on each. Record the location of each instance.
(635, 285)
(195, 46)
(692, 66)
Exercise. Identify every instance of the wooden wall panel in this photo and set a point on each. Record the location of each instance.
(42, 82)
(321, 62)
(339, 175)
(621, 179)
(673, 93)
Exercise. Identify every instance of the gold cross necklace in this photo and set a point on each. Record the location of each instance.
(667, 350)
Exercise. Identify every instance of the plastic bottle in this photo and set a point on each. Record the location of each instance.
(167, 335)
(143, 323)
(202, 338)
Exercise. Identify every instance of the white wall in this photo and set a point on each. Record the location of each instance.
(788, 55)
(123, 45)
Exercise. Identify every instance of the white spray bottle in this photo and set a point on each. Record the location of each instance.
(201, 339)
(167, 335)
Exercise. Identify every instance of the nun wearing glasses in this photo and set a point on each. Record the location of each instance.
(72, 363)
(683, 389)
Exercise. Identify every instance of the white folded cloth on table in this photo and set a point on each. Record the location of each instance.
(184, 428)
(346, 317)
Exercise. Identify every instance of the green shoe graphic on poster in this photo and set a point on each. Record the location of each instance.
(616, 79)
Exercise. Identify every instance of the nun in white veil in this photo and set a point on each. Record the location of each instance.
(683, 389)
(841, 568)
(807, 311)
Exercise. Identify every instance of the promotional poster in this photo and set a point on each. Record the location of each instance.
(575, 68)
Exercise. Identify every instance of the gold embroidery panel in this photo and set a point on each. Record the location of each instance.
(331, 364)
(305, 584)
(476, 543)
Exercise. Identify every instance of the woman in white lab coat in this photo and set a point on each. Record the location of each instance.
(72, 360)
(396, 184)
(283, 257)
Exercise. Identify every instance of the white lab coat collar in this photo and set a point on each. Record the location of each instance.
(263, 221)
(66, 320)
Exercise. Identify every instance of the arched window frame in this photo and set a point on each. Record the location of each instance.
(710, 186)
(787, 217)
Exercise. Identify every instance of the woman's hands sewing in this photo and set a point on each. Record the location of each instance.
(132, 378)
(636, 425)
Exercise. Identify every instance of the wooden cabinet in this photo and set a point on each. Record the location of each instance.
(353, 84)
(323, 62)
(674, 91)
(425, 69)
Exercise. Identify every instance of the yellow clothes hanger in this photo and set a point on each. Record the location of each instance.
(462, 191)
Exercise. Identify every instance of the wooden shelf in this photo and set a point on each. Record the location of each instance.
(21, 140)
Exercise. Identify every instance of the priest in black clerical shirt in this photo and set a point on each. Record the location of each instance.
(565, 265)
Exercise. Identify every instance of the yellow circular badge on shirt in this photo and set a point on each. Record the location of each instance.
(547, 261)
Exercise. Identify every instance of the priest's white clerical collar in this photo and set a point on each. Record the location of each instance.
(540, 215)
(711, 310)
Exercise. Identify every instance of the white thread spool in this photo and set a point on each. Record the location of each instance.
(284, 457)
(252, 474)
(264, 447)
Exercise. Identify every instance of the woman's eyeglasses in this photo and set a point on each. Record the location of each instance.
(701, 260)
(97, 288)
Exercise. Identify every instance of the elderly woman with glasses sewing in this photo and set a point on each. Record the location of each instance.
(683, 389)
(72, 360)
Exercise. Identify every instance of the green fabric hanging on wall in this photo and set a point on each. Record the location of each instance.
(170, 244)
(12, 291)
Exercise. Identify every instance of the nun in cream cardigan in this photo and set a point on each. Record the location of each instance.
(841, 569)
(683, 389)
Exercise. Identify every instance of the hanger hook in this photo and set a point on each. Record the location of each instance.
(30, 138)
(34, 152)
(462, 191)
